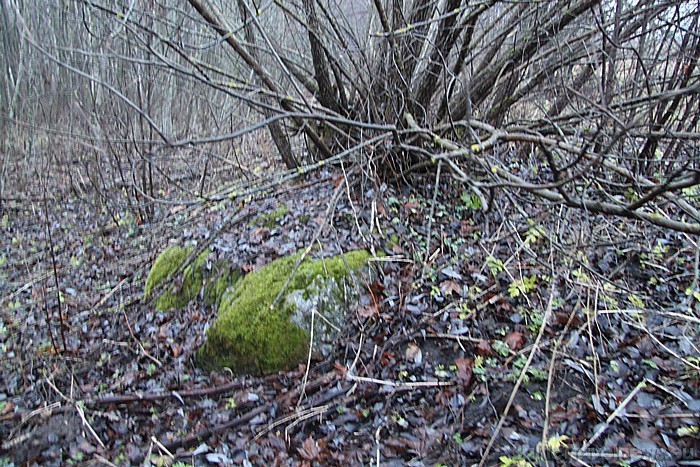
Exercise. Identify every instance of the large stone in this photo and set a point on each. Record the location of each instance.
(250, 336)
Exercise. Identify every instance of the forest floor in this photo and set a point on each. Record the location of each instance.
(527, 335)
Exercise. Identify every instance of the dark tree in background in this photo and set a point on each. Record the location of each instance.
(584, 103)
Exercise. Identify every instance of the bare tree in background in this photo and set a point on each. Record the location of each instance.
(585, 103)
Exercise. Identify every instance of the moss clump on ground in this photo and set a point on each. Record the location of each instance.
(269, 219)
(248, 336)
(186, 287)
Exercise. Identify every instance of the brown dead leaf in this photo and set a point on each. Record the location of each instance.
(309, 449)
(449, 287)
(483, 348)
(411, 205)
(381, 209)
(515, 340)
(367, 311)
(413, 353)
(377, 288)
(341, 369)
(464, 370)
(8, 408)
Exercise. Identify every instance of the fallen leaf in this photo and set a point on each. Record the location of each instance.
(367, 311)
(449, 272)
(309, 449)
(414, 354)
(449, 287)
(483, 348)
(411, 205)
(464, 370)
(515, 340)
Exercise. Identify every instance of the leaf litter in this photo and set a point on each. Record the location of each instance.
(423, 373)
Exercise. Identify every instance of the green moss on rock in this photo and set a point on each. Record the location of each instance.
(220, 278)
(250, 337)
(186, 287)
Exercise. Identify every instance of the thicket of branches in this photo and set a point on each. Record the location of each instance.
(586, 103)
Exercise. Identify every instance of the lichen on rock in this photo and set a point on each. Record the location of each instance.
(248, 336)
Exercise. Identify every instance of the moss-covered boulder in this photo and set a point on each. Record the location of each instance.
(201, 275)
(250, 337)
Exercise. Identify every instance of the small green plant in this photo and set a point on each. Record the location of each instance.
(691, 431)
(650, 363)
(537, 373)
(478, 368)
(533, 319)
(516, 461)
(159, 461)
(494, 264)
(457, 437)
(464, 310)
(580, 275)
(501, 348)
(399, 420)
(533, 234)
(522, 286)
(492, 362)
(120, 458)
(636, 301)
(555, 444)
(440, 371)
(693, 293)
(151, 369)
(534, 373)
(231, 403)
(470, 201)
(614, 366)
(76, 458)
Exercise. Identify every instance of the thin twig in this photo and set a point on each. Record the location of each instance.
(400, 384)
(612, 417)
